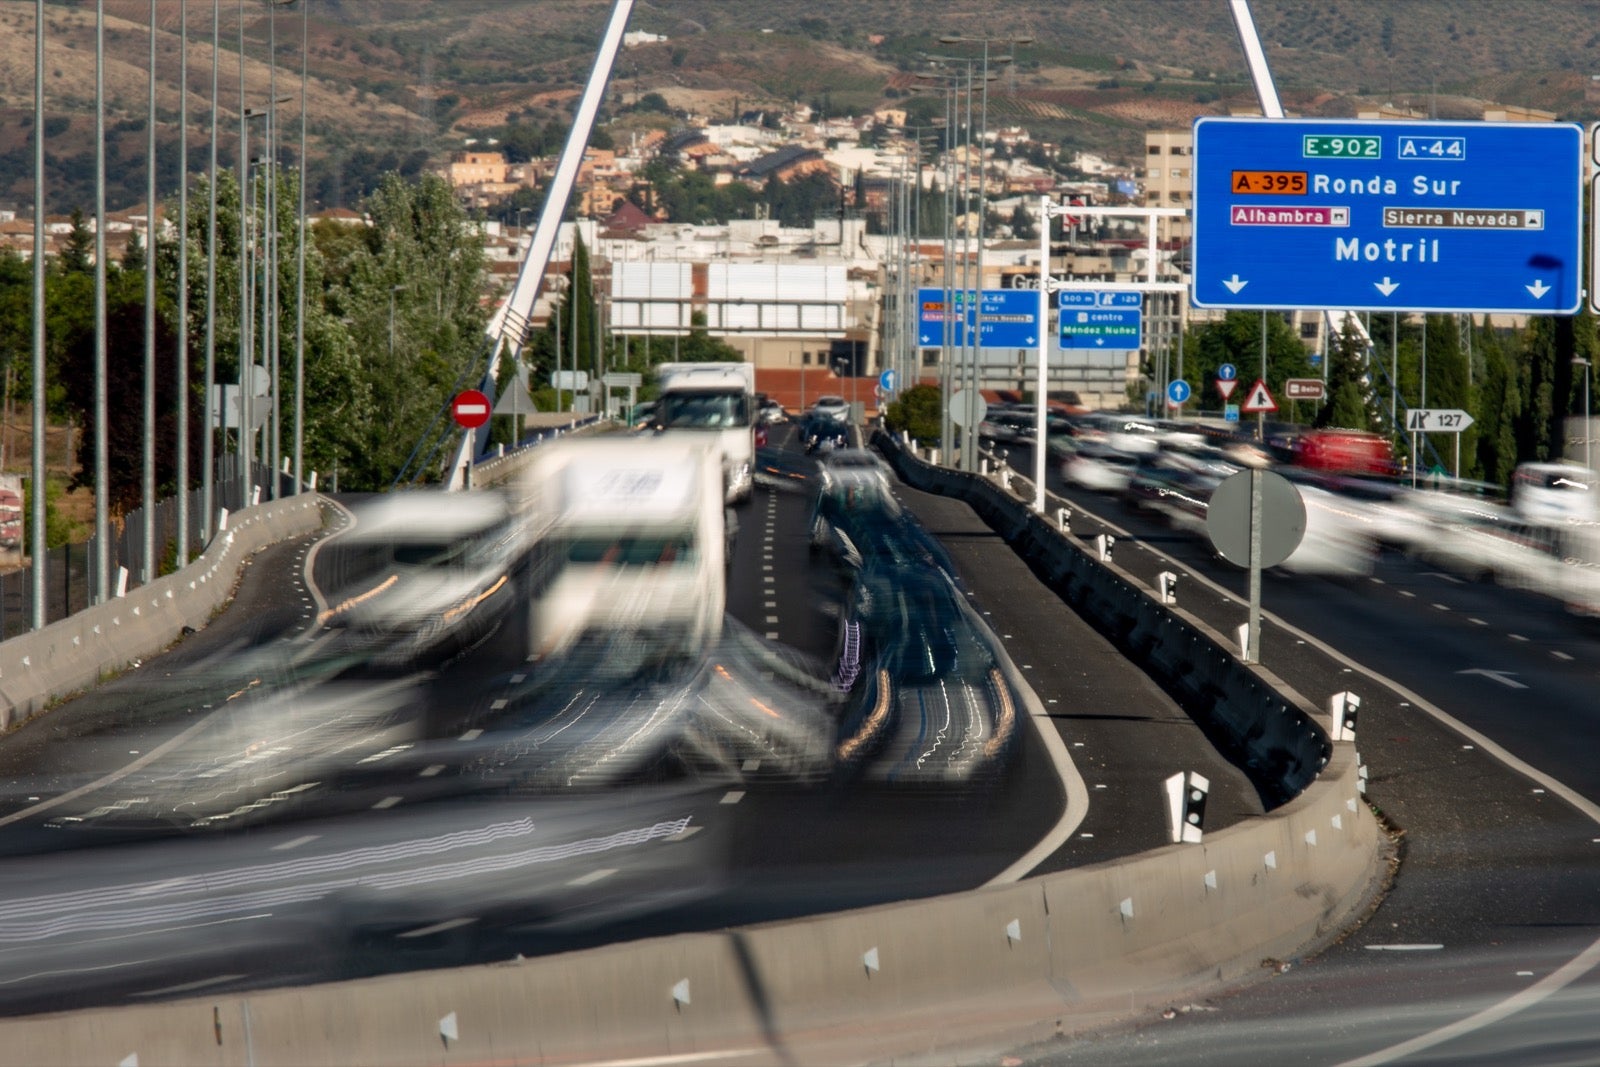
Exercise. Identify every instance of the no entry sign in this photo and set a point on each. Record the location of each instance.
(470, 409)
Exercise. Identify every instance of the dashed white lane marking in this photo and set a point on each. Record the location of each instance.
(1477, 622)
(296, 843)
(1407, 592)
(1516, 637)
(732, 796)
(1558, 654)
(593, 876)
(431, 770)
(188, 986)
(386, 803)
(497, 705)
(772, 635)
(684, 834)
(438, 928)
(772, 620)
(516, 679)
(471, 735)
(1442, 607)
(1403, 948)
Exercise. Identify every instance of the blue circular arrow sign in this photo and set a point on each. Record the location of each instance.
(887, 380)
(1178, 391)
(1227, 372)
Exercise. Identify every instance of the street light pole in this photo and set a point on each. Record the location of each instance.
(102, 523)
(148, 479)
(208, 443)
(969, 439)
(182, 434)
(36, 490)
(300, 271)
(1587, 434)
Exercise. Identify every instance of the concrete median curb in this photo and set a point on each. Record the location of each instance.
(73, 654)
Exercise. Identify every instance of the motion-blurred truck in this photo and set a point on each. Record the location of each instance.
(626, 541)
(713, 399)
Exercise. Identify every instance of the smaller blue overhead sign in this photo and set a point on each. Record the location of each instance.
(1388, 216)
(1009, 317)
(1100, 319)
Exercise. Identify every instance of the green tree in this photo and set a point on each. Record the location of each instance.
(77, 252)
(133, 254)
(1448, 386)
(1536, 373)
(1498, 410)
(426, 262)
(698, 346)
(1348, 404)
(916, 411)
(1237, 340)
(1023, 227)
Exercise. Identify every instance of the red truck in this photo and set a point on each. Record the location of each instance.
(1345, 452)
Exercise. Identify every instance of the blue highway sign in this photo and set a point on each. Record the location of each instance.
(1010, 317)
(1388, 216)
(1100, 319)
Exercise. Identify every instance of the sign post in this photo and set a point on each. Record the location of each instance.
(1387, 216)
(1256, 519)
(1436, 420)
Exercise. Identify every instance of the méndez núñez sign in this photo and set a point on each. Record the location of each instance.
(1389, 216)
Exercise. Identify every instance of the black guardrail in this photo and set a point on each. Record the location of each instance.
(1272, 737)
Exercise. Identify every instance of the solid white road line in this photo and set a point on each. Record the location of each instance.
(296, 843)
(593, 876)
(438, 928)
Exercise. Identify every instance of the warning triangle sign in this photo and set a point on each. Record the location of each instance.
(515, 400)
(1258, 400)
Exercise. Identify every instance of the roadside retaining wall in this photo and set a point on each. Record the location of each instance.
(74, 653)
(1011, 963)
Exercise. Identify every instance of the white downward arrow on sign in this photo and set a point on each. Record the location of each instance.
(1538, 288)
(1386, 287)
(1233, 284)
(1503, 677)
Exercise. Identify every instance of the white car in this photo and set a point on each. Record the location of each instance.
(1104, 470)
(844, 463)
(834, 407)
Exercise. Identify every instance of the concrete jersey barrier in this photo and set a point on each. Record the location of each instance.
(74, 653)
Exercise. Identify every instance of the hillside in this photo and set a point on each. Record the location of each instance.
(395, 81)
